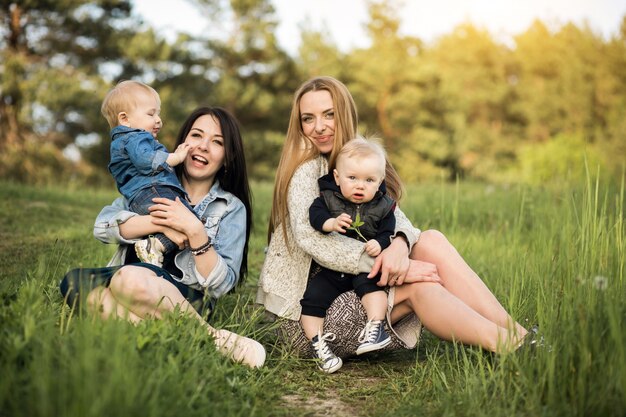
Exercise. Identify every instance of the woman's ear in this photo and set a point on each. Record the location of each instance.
(122, 119)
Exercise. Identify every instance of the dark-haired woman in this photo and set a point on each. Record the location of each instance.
(214, 258)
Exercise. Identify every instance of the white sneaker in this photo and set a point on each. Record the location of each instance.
(150, 251)
(240, 348)
(327, 360)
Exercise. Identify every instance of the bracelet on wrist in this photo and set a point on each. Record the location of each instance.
(202, 249)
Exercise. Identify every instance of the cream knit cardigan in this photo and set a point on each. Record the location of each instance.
(285, 271)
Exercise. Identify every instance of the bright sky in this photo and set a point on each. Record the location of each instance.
(345, 19)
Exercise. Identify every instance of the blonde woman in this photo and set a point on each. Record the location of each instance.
(428, 282)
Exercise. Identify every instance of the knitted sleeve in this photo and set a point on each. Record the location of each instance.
(331, 250)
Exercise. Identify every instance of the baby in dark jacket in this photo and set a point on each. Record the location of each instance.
(352, 201)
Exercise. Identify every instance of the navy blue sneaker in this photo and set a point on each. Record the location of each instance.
(373, 337)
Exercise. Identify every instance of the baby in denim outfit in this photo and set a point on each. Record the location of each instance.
(141, 166)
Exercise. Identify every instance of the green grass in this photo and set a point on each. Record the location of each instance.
(552, 255)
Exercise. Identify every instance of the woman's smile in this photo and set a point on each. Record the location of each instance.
(199, 160)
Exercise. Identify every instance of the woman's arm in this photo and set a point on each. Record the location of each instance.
(218, 268)
(393, 262)
(140, 226)
(334, 251)
(229, 243)
(107, 225)
(137, 227)
(405, 229)
(116, 224)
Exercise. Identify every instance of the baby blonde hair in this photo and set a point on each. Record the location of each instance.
(362, 147)
(122, 99)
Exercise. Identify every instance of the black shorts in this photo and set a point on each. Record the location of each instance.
(325, 285)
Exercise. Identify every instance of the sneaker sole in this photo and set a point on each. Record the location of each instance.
(144, 256)
(370, 348)
(333, 369)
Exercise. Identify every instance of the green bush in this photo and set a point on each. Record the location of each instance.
(42, 163)
(561, 160)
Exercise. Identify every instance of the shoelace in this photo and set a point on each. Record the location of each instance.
(370, 332)
(322, 349)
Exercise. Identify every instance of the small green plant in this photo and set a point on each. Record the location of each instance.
(355, 226)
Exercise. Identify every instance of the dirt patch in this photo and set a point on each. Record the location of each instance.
(330, 405)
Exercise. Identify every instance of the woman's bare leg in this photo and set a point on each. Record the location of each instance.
(100, 301)
(449, 318)
(142, 294)
(139, 291)
(458, 278)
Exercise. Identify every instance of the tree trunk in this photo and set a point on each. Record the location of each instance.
(9, 126)
(10, 101)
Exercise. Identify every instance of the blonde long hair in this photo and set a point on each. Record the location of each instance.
(299, 149)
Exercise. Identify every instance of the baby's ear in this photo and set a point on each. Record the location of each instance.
(336, 175)
(122, 118)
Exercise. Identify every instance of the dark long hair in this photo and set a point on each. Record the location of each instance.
(233, 175)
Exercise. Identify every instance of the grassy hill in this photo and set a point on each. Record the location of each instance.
(553, 256)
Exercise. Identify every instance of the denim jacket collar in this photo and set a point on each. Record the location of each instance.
(216, 192)
(121, 129)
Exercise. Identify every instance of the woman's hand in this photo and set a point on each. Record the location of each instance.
(180, 239)
(420, 271)
(396, 268)
(175, 215)
(392, 263)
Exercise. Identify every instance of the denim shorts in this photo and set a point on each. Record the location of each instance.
(77, 283)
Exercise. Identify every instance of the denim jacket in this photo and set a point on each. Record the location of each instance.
(224, 217)
(138, 162)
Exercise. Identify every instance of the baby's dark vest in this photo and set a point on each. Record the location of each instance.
(371, 213)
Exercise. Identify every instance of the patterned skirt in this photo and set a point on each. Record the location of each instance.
(346, 317)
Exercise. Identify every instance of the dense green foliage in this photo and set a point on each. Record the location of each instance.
(553, 255)
(466, 105)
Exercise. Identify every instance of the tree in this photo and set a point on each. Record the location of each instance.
(53, 56)
(56, 60)
(384, 81)
(478, 85)
(570, 87)
(319, 55)
(562, 81)
(381, 71)
(253, 77)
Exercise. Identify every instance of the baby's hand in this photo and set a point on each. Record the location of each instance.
(342, 222)
(179, 154)
(338, 224)
(372, 247)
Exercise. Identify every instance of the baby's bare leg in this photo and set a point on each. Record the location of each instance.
(375, 304)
